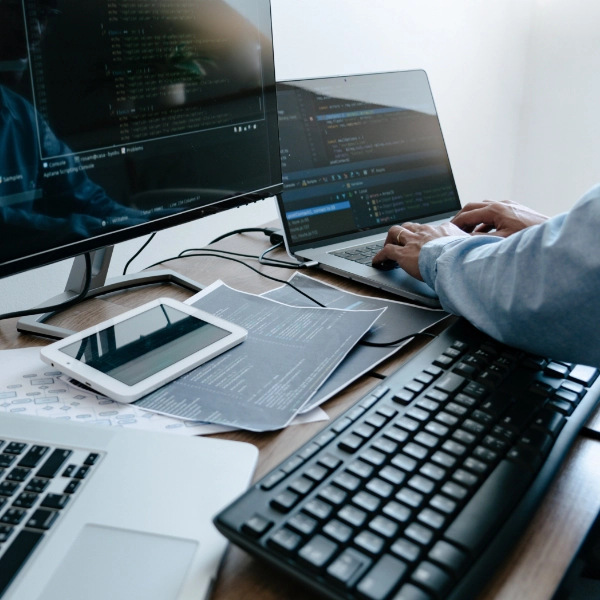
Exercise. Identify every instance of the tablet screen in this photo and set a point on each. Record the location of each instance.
(145, 344)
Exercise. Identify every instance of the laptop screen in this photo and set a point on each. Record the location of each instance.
(360, 153)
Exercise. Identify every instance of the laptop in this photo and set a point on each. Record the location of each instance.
(102, 512)
(360, 154)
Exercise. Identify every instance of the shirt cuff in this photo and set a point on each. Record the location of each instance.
(429, 254)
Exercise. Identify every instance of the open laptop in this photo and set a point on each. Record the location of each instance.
(101, 512)
(360, 154)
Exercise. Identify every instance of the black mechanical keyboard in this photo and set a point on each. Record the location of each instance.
(420, 489)
(37, 484)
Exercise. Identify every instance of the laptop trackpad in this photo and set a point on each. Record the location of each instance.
(120, 565)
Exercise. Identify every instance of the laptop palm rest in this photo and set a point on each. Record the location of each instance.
(120, 564)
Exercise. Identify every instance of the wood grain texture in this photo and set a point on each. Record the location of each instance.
(532, 570)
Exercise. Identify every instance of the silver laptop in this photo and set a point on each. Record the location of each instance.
(97, 513)
(360, 154)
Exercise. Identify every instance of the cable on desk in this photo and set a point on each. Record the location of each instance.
(266, 230)
(241, 263)
(274, 262)
(138, 253)
(56, 307)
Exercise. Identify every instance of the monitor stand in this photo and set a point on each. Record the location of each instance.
(99, 285)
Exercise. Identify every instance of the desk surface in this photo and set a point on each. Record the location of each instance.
(534, 568)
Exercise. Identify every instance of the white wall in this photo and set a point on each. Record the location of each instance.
(492, 66)
(558, 155)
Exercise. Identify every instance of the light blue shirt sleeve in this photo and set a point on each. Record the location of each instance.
(538, 290)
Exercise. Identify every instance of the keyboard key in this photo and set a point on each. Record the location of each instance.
(54, 463)
(403, 397)
(366, 501)
(370, 542)
(427, 439)
(432, 518)
(397, 511)
(302, 486)
(364, 430)
(432, 578)
(33, 456)
(465, 478)
(82, 473)
(458, 492)
(338, 531)
(448, 556)
(15, 448)
(347, 481)
(316, 473)
(285, 540)
(489, 507)
(583, 375)
(444, 361)
(13, 516)
(360, 469)
(6, 460)
(372, 456)
(318, 509)
(428, 404)
(571, 386)
(25, 500)
(443, 504)
(450, 383)
(384, 527)
(415, 386)
(382, 578)
(377, 421)
(8, 488)
(443, 459)
(392, 475)
(18, 474)
(56, 501)
(329, 461)
(380, 488)
(16, 555)
(348, 566)
(418, 414)
(437, 395)
(5, 532)
(549, 421)
(408, 424)
(416, 451)
(353, 515)
(396, 434)
(272, 480)
(433, 471)
(333, 495)
(406, 550)
(446, 418)
(291, 464)
(454, 447)
(325, 438)
(302, 523)
(285, 501)
(419, 533)
(37, 486)
(309, 451)
(317, 552)
(406, 463)
(386, 446)
(410, 497)
(257, 525)
(410, 592)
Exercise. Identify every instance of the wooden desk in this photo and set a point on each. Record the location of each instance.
(535, 567)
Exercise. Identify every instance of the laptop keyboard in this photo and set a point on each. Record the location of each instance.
(364, 254)
(405, 495)
(37, 484)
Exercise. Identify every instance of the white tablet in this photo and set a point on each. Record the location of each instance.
(133, 354)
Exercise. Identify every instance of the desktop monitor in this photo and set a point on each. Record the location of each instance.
(120, 117)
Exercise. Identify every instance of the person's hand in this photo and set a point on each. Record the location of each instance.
(504, 217)
(404, 242)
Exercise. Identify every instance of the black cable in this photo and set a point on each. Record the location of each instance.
(406, 337)
(138, 253)
(245, 265)
(274, 262)
(56, 307)
(264, 230)
(180, 255)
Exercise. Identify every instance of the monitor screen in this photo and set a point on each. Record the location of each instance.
(360, 153)
(122, 117)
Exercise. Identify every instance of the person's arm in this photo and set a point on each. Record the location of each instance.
(539, 289)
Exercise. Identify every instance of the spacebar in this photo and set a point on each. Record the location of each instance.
(16, 555)
(490, 506)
